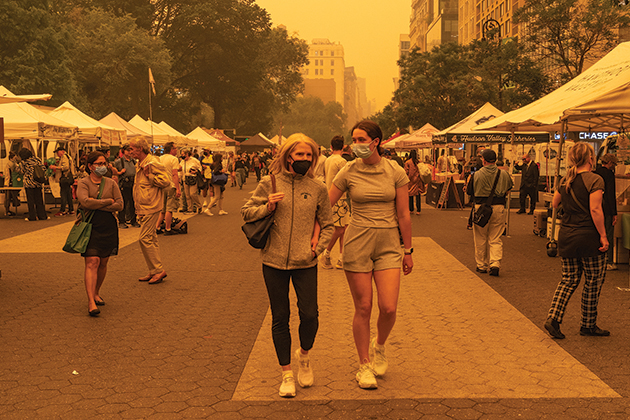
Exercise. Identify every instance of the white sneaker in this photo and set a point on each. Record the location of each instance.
(222, 212)
(305, 372)
(208, 212)
(379, 360)
(326, 263)
(339, 264)
(366, 377)
(287, 387)
(611, 267)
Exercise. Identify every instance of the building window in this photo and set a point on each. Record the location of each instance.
(306, 72)
(332, 53)
(332, 72)
(321, 53)
(332, 62)
(316, 52)
(316, 72)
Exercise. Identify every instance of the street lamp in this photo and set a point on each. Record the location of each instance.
(490, 25)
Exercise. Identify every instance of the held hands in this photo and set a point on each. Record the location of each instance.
(273, 199)
(604, 241)
(407, 264)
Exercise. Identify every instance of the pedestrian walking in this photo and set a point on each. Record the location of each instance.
(102, 197)
(380, 216)
(148, 195)
(292, 249)
(582, 242)
(173, 192)
(341, 209)
(484, 183)
(416, 186)
(126, 167)
(609, 204)
(218, 187)
(529, 184)
(33, 189)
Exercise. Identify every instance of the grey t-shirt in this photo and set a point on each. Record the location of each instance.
(372, 191)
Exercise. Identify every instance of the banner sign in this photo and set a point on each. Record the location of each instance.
(492, 138)
(55, 131)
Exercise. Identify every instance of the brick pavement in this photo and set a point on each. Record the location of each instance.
(187, 348)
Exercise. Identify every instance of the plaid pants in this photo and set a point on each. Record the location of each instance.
(594, 269)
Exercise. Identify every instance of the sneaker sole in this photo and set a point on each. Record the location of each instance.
(367, 386)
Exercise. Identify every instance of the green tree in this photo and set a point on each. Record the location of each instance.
(33, 51)
(227, 56)
(111, 58)
(309, 115)
(448, 83)
(570, 32)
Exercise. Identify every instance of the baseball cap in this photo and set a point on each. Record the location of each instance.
(489, 155)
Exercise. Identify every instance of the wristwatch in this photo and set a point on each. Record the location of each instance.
(408, 251)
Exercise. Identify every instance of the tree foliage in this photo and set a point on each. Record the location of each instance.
(309, 115)
(111, 58)
(96, 53)
(448, 83)
(226, 54)
(34, 55)
(571, 32)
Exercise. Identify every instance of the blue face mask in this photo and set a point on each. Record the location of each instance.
(362, 150)
(100, 170)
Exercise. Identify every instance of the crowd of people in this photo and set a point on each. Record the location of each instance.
(360, 196)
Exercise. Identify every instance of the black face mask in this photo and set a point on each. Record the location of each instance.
(301, 166)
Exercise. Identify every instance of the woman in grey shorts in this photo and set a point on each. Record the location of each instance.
(372, 248)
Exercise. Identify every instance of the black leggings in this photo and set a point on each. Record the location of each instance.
(418, 199)
(305, 285)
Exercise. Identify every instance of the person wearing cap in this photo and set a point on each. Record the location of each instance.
(126, 169)
(63, 175)
(529, 184)
(488, 244)
(609, 203)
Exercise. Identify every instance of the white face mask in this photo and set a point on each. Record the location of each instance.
(362, 150)
(100, 170)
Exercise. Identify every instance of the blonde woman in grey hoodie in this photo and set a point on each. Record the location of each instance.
(292, 249)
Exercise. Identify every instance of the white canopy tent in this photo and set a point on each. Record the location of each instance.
(7, 97)
(205, 140)
(89, 128)
(23, 121)
(596, 100)
(181, 139)
(420, 138)
(114, 120)
(392, 144)
(155, 132)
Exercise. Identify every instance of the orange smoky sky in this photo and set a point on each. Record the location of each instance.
(369, 31)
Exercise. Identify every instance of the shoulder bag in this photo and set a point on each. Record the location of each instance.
(482, 215)
(39, 175)
(257, 232)
(189, 179)
(79, 235)
(219, 179)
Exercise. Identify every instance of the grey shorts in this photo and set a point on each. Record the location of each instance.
(171, 203)
(371, 249)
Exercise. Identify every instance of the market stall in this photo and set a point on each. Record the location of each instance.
(596, 100)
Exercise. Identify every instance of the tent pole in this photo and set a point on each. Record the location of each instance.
(557, 178)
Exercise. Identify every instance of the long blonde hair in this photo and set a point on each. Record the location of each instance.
(280, 163)
(579, 155)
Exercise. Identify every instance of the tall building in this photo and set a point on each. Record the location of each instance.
(327, 77)
(433, 22)
(325, 73)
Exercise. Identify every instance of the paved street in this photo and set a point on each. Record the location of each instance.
(465, 346)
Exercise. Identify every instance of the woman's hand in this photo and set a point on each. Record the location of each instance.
(604, 241)
(407, 264)
(273, 199)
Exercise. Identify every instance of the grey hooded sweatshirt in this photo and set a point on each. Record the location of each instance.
(289, 244)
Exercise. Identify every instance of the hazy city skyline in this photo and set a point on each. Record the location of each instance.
(368, 30)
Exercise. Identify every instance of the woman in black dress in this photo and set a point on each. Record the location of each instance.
(104, 239)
